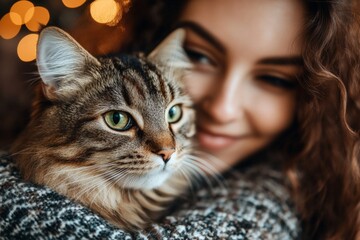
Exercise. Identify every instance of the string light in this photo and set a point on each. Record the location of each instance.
(24, 13)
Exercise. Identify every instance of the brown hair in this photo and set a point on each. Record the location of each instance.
(322, 147)
(325, 170)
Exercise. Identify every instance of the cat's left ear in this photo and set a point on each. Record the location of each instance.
(61, 63)
(170, 51)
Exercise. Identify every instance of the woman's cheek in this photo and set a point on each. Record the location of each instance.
(199, 84)
(274, 114)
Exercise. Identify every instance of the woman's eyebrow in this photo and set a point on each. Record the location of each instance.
(204, 34)
(292, 60)
(201, 32)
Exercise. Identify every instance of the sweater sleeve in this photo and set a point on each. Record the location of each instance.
(251, 204)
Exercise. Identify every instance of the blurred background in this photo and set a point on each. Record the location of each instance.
(97, 24)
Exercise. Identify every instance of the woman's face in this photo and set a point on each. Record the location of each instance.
(246, 56)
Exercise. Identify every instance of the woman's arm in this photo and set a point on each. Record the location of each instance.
(254, 205)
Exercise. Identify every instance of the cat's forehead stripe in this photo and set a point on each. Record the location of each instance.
(126, 96)
(132, 84)
(161, 83)
(153, 80)
(140, 71)
(141, 79)
(172, 92)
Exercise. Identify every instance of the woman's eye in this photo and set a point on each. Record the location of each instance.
(174, 114)
(278, 82)
(198, 57)
(118, 120)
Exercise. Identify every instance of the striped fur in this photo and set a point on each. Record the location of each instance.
(69, 147)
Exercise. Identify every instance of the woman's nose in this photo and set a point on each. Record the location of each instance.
(223, 104)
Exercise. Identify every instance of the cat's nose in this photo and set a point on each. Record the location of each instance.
(166, 154)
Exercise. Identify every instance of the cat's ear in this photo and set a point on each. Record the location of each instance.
(61, 61)
(170, 51)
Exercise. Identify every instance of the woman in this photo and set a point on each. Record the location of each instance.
(283, 75)
(275, 84)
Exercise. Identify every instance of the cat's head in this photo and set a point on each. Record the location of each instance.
(125, 119)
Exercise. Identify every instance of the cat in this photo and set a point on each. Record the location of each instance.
(112, 133)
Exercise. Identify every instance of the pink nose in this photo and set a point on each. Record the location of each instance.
(166, 154)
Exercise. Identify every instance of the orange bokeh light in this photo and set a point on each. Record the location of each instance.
(73, 3)
(8, 29)
(26, 48)
(106, 11)
(19, 10)
(40, 18)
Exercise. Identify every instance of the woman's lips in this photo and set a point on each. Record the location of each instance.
(213, 141)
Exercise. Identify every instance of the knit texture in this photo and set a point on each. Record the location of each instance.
(254, 205)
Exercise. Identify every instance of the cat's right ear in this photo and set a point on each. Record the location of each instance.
(170, 51)
(61, 61)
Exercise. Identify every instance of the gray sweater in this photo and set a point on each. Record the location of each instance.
(254, 205)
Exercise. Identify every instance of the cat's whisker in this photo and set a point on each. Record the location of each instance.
(87, 191)
(206, 171)
(115, 177)
(189, 178)
(198, 174)
(24, 151)
(123, 178)
(106, 183)
(205, 167)
(64, 171)
(72, 176)
(216, 162)
(100, 188)
(210, 171)
(34, 80)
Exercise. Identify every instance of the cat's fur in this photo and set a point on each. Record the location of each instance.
(125, 176)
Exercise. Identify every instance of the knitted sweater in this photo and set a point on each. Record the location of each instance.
(254, 205)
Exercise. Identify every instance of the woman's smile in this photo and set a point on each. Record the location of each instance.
(214, 141)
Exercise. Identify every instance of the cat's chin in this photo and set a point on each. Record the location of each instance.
(148, 181)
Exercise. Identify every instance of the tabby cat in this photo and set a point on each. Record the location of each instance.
(113, 133)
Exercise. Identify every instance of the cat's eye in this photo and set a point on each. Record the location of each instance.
(118, 120)
(174, 114)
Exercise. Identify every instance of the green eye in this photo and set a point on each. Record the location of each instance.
(174, 114)
(120, 121)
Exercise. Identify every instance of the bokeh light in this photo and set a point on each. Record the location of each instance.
(33, 18)
(26, 48)
(8, 29)
(40, 18)
(73, 3)
(19, 10)
(15, 18)
(106, 11)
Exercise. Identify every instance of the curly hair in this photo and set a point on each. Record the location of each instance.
(321, 150)
(325, 169)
